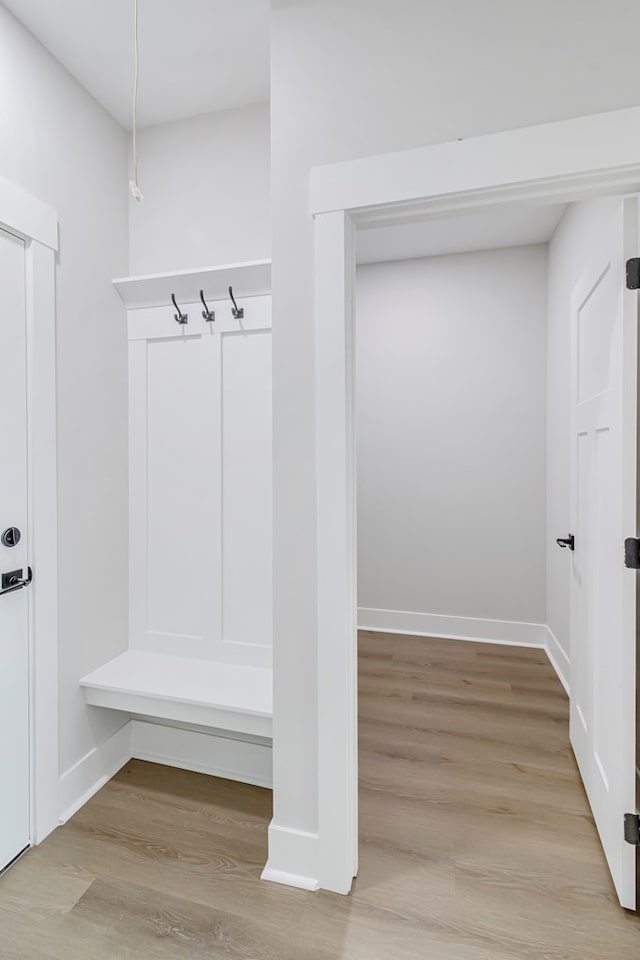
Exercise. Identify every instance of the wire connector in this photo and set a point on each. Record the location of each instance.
(135, 191)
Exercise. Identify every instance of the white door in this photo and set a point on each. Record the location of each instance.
(14, 611)
(603, 590)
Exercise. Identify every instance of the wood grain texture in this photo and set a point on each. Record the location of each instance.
(476, 840)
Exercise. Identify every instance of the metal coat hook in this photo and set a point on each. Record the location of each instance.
(208, 315)
(179, 317)
(238, 312)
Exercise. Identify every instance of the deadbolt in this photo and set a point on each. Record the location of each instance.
(11, 537)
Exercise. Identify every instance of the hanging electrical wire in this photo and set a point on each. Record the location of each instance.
(133, 184)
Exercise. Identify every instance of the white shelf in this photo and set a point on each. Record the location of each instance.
(204, 692)
(251, 279)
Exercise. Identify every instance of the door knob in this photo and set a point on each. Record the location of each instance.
(565, 542)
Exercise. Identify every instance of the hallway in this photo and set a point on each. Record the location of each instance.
(476, 839)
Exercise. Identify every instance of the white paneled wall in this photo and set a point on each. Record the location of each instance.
(245, 379)
(200, 483)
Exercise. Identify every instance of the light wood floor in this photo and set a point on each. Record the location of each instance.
(476, 840)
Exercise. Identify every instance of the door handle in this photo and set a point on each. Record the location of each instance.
(565, 542)
(15, 581)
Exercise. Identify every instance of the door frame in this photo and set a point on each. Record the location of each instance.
(37, 225)
(557, 162)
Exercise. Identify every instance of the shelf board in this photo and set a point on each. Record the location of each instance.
(251, 279)
(209, 693)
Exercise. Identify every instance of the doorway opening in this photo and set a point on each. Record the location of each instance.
(407, 188)
(467, 485)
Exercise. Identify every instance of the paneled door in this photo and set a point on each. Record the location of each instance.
(603, 590)
(14, 611)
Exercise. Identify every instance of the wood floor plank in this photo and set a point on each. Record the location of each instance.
(476, 839)
(141, 917)
(383, 741)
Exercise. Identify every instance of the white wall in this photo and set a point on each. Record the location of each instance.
(363, 77)
(451, 410)
(570, 244)
(56, 142)
(206, 187)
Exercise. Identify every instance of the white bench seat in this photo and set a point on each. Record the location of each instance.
(209, 693)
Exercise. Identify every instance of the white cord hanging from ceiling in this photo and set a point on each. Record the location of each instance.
(133, 184)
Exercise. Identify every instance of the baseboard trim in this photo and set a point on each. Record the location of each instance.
(289, 879)
(558, 659)
(230, 758)
(218, 756)
(81, 781)
(511, 632)
(293, 858)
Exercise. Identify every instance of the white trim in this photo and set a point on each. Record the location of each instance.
(568, 155)
(290, 879)
(232, 758)
(81, 781)
(558, 659)
(251, 279)
(584, 157)
(510, 632)
(43, 539)
(336, 584)
(293, 858)
(24, 214)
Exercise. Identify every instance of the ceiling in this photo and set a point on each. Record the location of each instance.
(196, 56)
(513, 225)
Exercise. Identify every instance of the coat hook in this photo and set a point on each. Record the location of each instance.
(238, 312)
(208, 315)
(179, 317)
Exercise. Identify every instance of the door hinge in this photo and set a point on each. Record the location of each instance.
(632, 829)
(632, 553)
(633, 273)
